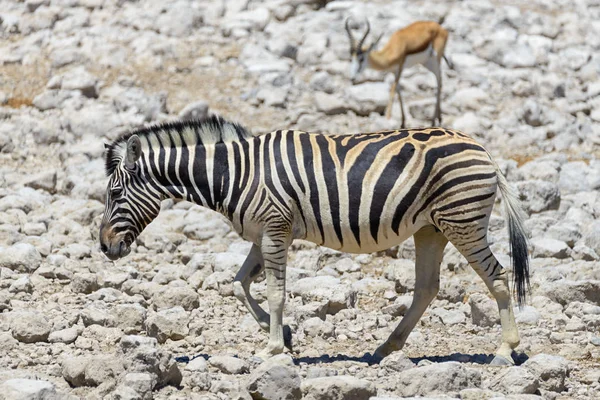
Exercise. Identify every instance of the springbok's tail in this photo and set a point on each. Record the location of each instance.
(518, 240)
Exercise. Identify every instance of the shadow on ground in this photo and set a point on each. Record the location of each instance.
(367, 358)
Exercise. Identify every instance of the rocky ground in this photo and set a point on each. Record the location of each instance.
(76, 73)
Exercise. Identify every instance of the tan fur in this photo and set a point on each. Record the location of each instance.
(412, 39)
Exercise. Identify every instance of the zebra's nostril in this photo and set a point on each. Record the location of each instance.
(103, 248)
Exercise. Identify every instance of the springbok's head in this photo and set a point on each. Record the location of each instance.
(360, 52)
(131, 202)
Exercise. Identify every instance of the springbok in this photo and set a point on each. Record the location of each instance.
(421, 42)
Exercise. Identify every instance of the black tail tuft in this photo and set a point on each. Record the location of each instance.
(520, 260)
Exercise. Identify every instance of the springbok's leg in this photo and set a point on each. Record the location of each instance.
(433, 64)
(482, 260)
(388, 109)
(274, 250)
(439, 47)
(429, 245)
(252, 267)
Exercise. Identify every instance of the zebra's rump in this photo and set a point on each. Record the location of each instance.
(367, 192)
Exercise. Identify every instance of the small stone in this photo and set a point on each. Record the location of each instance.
(85, 283)
(27, 389)
(397, 362)
(171, 297)
(316, 327)
(276, 378)
(198, 364)
(45, 181)
(484, 310)
(546, 247)
(80, 79)
(339, 387)
(450, 377)
(29, 326)
(141, 383)
(66, 336)
(552, 371)
(73, 370)
(229, 364)
(166, 324)
(330, 104)
(515, 380)
(21, 257)
(194, 111)
(21, 285)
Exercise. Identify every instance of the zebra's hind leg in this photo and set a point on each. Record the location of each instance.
(429, 245)
(479, 255)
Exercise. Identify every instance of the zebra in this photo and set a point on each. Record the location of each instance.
(357, 193)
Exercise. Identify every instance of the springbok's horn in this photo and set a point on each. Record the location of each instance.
(352, 41)
(362, 41)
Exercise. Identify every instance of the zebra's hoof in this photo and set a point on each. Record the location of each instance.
(500, 361)
(372, 359)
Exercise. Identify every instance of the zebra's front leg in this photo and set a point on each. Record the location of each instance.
(274, 250)
(252, 267)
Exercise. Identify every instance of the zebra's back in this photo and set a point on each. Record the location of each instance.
(368, 192)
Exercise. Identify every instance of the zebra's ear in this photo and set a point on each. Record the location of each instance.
(134, 151)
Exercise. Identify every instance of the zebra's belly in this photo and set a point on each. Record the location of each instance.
(387, 239)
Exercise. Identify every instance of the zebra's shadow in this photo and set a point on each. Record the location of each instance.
(483, 359)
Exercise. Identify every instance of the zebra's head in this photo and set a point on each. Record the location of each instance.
(130, 204)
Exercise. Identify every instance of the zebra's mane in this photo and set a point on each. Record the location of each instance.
(210, 130)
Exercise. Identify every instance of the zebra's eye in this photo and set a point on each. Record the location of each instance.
(116, 191)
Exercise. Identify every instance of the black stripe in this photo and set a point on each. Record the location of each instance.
(269, 178)
(328, 170)
(430, 159)
(235, 186)
(462, 221)
(220, 174)
(449, 185)
(312, 183)
(255, 158)
(201, 175)
(291, 153)
(356, 176)
(388, 177)
(284, 178)
(464, 202)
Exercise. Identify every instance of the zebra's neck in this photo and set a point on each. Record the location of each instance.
(192, 161)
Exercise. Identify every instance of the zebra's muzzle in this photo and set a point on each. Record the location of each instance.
(115, 251)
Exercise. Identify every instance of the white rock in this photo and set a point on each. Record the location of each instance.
(29, 326)
(22, 257)
(194, 111)
(484, 310)
(450, 377)
(27, 389)
(368, 97)
(339, 387)
(551, 370)
(171, 324)
(228, 364)
(330, 104)
(515, 380)
(276, 378)
(546, 247)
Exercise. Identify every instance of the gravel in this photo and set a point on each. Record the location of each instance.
(75, 325)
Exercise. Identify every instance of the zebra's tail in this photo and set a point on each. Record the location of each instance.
(518, 240)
